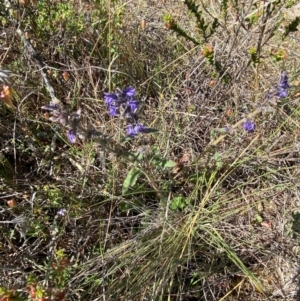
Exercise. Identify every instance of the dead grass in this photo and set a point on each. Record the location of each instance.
(232, 236)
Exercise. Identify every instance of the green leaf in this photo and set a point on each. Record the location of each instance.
(163, 162)
(178, 203)
(258, 218)
(218, 159)
(131, 179)
(138, 156)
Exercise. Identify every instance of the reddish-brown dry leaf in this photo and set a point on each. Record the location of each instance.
(181, 162)
(66, 76)
(184, 159)
(6, 96)
(32, 291)
(266, 224)
(11, 203)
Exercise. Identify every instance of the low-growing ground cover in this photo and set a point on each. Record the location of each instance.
(149, 150)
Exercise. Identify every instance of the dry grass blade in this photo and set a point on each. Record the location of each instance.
(4, 75)
(166, 166)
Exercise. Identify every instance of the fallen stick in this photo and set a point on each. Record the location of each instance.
(36, 57)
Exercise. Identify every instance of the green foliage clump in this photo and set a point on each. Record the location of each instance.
(54, 18)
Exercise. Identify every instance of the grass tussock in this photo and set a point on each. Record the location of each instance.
(149, 150)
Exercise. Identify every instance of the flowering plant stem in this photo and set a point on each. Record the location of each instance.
(216, 141)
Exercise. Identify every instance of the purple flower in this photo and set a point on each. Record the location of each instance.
(249, 126)
(129, 92)
(134, 130)
(131, 131)
(281, 93)
(283, 86)
(113, 110)
(133, 104)
(123, 103)
(283, 82)
(121, 99)
(139, 128)
(61, 212)
(72, 135)
(110, 98)
(281, 89)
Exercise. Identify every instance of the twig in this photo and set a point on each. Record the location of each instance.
(18, 220)
(36, 57)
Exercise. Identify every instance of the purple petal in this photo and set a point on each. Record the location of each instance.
(129, 92)
(72, 135)
(282, 93)
(249, 126)
(283, 82)
(139, 128)
(130, 131)
(133, 104)
(110, 98)
(61, 212)
(113, 110)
